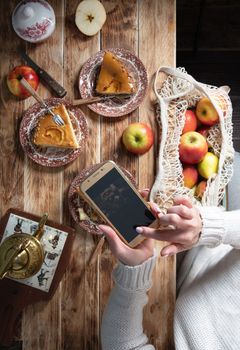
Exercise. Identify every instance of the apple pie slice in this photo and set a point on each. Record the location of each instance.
(113, 77)
(49, 134)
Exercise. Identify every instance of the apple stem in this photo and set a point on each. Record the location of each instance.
(137, 138)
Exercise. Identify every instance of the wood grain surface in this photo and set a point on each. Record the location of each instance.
(71, 320)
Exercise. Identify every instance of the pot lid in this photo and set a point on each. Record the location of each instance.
(33, 20)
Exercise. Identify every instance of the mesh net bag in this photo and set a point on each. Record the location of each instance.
(179, 92)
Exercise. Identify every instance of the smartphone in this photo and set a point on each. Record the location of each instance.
(111, 194)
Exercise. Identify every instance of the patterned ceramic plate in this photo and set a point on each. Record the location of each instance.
(51, 156)
(115, 107)
(75, 202)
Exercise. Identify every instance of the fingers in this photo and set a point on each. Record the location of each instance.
(182, 211)
(181, 208)
(183, 200)
(171, 219)
(165, 235)
(155, 209)
(144, 193)
(172, 249)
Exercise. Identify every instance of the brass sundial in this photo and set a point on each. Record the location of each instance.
(21, 254)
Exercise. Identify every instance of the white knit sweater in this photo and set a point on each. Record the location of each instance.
(207, 313)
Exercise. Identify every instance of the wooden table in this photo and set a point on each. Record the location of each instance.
(146, 27)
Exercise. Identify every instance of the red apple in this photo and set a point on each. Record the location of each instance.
(200, 189)
(193, 147)
(13, 80)
(199, 124)
(204, 131)
(190, 176)
(206, 112)
(190, 121)
(138, 138)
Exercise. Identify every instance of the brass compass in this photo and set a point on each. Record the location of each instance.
(21, 254)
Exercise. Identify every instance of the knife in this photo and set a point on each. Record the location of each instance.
(44, 76)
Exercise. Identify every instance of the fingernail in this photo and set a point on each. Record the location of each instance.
(168, 254)
(155, 207)
(102, 228)
(139, 229)
(146, 189)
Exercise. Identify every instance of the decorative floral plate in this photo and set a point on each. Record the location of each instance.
(76, 203)
(51, 156)
(114, 107)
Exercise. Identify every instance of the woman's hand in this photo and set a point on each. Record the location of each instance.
(128, 256)
(185, 226)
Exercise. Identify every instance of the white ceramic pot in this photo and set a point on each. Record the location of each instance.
(33, 20)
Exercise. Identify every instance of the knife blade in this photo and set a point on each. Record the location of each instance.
(44, 76)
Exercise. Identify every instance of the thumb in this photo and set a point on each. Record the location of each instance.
(115, 243)
(183, 200)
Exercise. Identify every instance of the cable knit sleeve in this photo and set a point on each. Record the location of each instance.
(220, 226)
(122, 319)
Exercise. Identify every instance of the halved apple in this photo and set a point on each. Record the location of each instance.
(90, 17)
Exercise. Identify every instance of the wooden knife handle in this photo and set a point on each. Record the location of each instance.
(30, 89)
(56, 87)
(84, 101)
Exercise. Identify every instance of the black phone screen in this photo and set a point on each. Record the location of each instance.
(120, 204)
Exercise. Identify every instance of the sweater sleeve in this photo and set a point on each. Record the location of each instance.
(122, 319)
(220, 226)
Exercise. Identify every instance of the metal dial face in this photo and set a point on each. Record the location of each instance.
(28, 261)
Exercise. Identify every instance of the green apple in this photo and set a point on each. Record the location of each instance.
(208, 165)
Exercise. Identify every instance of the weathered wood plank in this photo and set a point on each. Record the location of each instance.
(11, 174)
(122, 18)
(157, 48)
(43, 192)
(80, 301)
(11, 155)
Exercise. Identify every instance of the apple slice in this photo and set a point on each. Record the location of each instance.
(90, 17)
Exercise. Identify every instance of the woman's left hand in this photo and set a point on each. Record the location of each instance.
(185, 227)
(127, 255)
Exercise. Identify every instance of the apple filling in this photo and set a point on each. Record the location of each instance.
(49, 134)
(55, 134)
